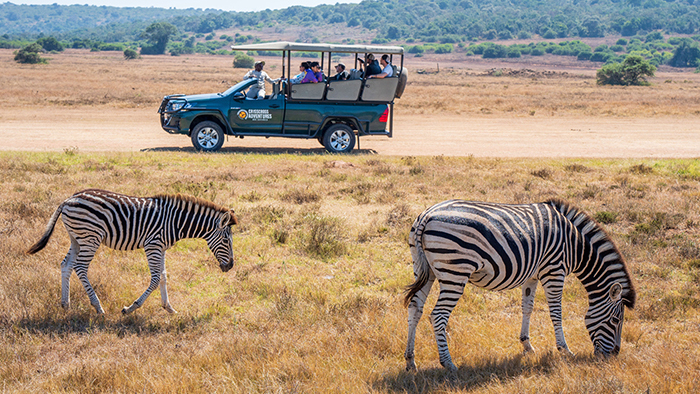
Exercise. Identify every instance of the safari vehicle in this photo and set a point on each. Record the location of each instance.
(336, 113)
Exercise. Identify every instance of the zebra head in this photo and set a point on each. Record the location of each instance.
(219, 240)
(604, 321)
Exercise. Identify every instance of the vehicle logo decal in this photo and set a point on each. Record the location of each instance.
(255, 115)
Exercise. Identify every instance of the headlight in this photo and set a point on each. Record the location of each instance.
(176, 105)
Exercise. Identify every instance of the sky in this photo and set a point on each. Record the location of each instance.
(226, 5)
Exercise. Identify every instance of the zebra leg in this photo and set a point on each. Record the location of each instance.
(86, 253)
(156, 263)
(66, 270)
(553, 289)
(450, 293)
(415, 311)
(164, 293)
(528, 303)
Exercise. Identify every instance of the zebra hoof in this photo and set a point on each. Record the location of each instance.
(169, 309)
(449, 365)
(125, 311)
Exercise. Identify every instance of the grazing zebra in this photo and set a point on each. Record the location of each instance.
(93, 217)
(499, 247)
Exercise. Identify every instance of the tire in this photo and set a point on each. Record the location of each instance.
(339, 138)
(207, 136)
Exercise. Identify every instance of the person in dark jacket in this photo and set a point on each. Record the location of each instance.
(373, 67)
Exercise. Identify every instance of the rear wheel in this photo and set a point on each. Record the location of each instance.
(207, 136)
(339, 138)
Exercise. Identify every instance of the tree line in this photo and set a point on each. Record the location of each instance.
(443, 21)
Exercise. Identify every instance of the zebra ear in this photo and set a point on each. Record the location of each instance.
(229, 219)
(616, 292)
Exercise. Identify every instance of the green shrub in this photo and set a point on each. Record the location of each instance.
(617, 48)
(30, 54)
(584, 56)
(621, 41)
(537, 52)
(130, 54)
(243, 61)
(50, 44)
(630, 72)
(513, 53)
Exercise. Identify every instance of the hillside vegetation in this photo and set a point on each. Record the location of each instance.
(388, 20)
(313, 303)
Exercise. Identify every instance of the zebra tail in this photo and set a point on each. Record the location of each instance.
(421, 266)
(49, 230)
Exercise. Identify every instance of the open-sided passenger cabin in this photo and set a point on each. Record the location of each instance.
(379, 90)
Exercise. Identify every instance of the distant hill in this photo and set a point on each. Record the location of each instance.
(444, 21)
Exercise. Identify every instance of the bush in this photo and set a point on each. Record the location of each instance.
(243, 61)
(130, 54)
(444, 48)
(513, 53)
(416, 49)
(687, 54)
(495, 51)
(537, 52)
(617, 48)
(50, 44)
(30, 54)
(584, 56)
(630, 72)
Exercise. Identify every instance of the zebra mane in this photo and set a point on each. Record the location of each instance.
(197, 201)
(592, 231)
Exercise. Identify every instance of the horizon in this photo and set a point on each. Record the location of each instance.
(221, 5)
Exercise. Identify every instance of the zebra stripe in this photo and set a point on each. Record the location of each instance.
(501, 247)
(94, 217)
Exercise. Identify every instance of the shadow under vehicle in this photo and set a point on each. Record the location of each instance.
(336, 113)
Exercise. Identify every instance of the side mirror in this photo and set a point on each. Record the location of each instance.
(239, 96)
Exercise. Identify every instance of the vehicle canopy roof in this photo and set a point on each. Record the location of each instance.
(303, 47)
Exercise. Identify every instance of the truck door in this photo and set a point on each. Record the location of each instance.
(261, 117)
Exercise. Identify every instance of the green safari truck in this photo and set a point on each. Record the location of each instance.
(336, 113)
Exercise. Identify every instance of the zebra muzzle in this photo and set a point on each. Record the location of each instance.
(226, 267)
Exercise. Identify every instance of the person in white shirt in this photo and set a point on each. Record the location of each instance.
(258, 91)
(387, 69)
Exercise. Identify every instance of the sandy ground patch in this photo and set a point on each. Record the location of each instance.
(101, 129)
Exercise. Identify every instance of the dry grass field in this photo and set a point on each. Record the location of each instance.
(313, 303)
(105, 80)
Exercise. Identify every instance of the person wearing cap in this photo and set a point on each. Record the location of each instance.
(257, 91)
(373, 67)
(341, 75)
(387, 69)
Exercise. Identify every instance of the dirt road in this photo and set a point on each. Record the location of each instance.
(93, 129)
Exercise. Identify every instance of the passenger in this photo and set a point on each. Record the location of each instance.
(387, 69)
(257, 91)
(302, 73)
(309, 76)
(341, 75)
(373, 67)
(318, 73)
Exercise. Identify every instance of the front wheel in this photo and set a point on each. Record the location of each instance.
(207, 136)
(339, 138)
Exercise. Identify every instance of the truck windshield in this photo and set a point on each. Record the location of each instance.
(238, 87)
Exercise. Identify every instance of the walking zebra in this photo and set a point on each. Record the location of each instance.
(499, 247)
(93, 217)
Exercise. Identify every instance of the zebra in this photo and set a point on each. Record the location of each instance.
(93, 217)
(503, 246)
